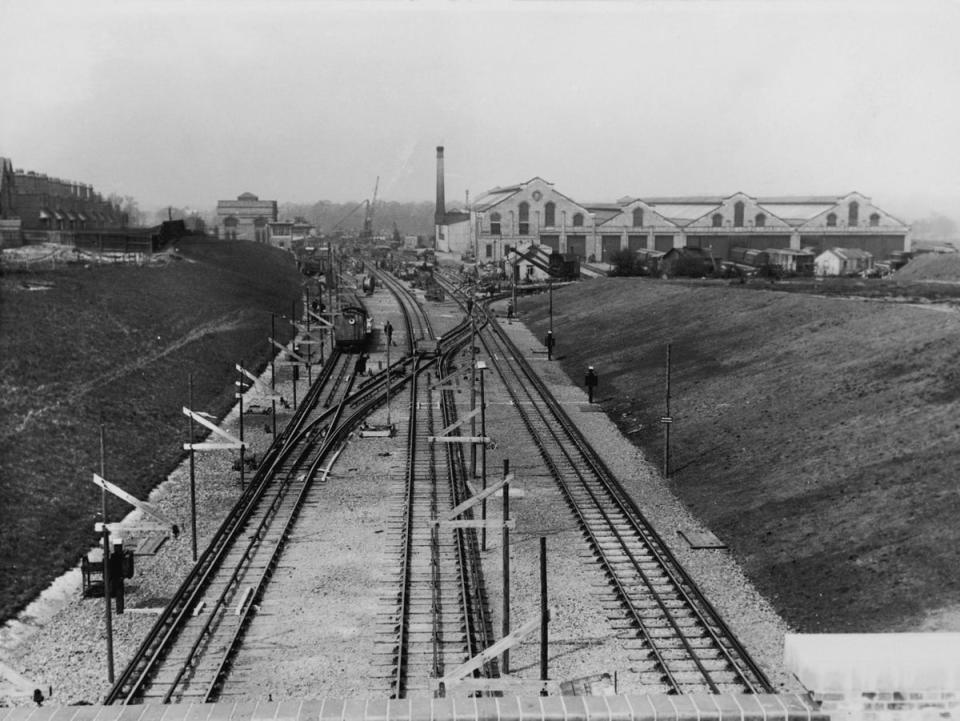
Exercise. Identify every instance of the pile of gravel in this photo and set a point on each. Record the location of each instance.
(932, 266)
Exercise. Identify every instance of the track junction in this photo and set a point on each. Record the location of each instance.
(438, 614)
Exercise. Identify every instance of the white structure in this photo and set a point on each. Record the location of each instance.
(842, 261)
(881, 676)
(534, 212)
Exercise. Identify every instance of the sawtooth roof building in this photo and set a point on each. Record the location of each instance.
(535, 213)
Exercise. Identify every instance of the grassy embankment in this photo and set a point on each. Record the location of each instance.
(117, 342)
(817, 436)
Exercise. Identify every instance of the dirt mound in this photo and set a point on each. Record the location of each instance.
(932, 266)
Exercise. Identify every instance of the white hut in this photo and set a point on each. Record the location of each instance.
(842, 261)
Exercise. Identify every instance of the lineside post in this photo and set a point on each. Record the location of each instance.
(667, 420)
(242, 445)
(473, 386)
(505, 532)
(108, 617)
(481, 366)
(273, 375)
(544, 609)
(193, 481)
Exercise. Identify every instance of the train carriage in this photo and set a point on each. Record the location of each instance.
(352, 327)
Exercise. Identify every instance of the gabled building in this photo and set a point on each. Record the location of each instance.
(536, 213)
(531, 213)
(744, 221)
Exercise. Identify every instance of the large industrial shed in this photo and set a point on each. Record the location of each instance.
(534, 212)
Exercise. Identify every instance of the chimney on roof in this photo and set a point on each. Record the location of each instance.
(441, 203)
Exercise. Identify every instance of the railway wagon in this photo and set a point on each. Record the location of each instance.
(352, 328)
(792, 262)
(649, 260)
(750, 257)
(435, 292)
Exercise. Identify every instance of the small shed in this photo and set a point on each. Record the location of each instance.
(843, 261)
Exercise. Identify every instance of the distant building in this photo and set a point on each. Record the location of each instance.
(246, 218)
(42, 206)
(536, 213)
(842, 261)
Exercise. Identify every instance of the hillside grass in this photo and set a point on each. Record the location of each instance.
(818, 436)
(117, 344)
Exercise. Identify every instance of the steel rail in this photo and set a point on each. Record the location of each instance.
(406, 555)
(332, 440)
(751, 676)
(475, 608)
(174, 614)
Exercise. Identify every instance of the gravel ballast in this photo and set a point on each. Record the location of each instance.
(337, 607)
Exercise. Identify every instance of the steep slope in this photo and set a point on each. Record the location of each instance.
(116, 344)
(817, 436)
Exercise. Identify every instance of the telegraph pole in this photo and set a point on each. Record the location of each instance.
(193, 483)
(667, 421)
(108, 617)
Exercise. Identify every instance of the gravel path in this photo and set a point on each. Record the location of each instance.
(349, 546)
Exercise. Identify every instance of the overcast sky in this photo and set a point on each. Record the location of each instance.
(185, 103)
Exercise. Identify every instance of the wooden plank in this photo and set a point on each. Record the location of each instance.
(478, 523)
(209, 446)
(460, 422)
(150, 545)
(198, 417)
(701, 539)
(132, 500)
(458, 439)
(508, 641)
(477, 497)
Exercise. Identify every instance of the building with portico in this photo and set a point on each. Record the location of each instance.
(246, 218)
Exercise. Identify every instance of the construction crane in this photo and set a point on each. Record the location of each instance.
(367, 232)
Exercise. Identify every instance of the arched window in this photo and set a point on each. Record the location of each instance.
(874, 219)
(524, 219)
(577, 220)
(550, 214)
(717, 220)
(853, 213)
(495, 224)
(760, 221)
(831, 220)
(638, 217)
(738, 214)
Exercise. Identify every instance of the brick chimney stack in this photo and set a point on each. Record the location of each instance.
(441, 202)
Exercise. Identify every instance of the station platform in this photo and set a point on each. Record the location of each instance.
(654, 707)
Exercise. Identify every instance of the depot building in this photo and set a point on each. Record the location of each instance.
(536, 213)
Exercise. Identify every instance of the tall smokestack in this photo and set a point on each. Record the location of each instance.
(441, 203)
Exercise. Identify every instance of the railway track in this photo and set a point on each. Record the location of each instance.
(688, 647)
(188, 653)
(440, 619)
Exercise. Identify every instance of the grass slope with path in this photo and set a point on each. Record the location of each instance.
(116, 342)
(818, 436)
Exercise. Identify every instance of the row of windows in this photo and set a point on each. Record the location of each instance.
(523, 222)
(759, 220)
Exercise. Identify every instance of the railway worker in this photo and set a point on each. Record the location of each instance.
(550, 342)
(591, 382)
(388, 331)
(509, 309)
